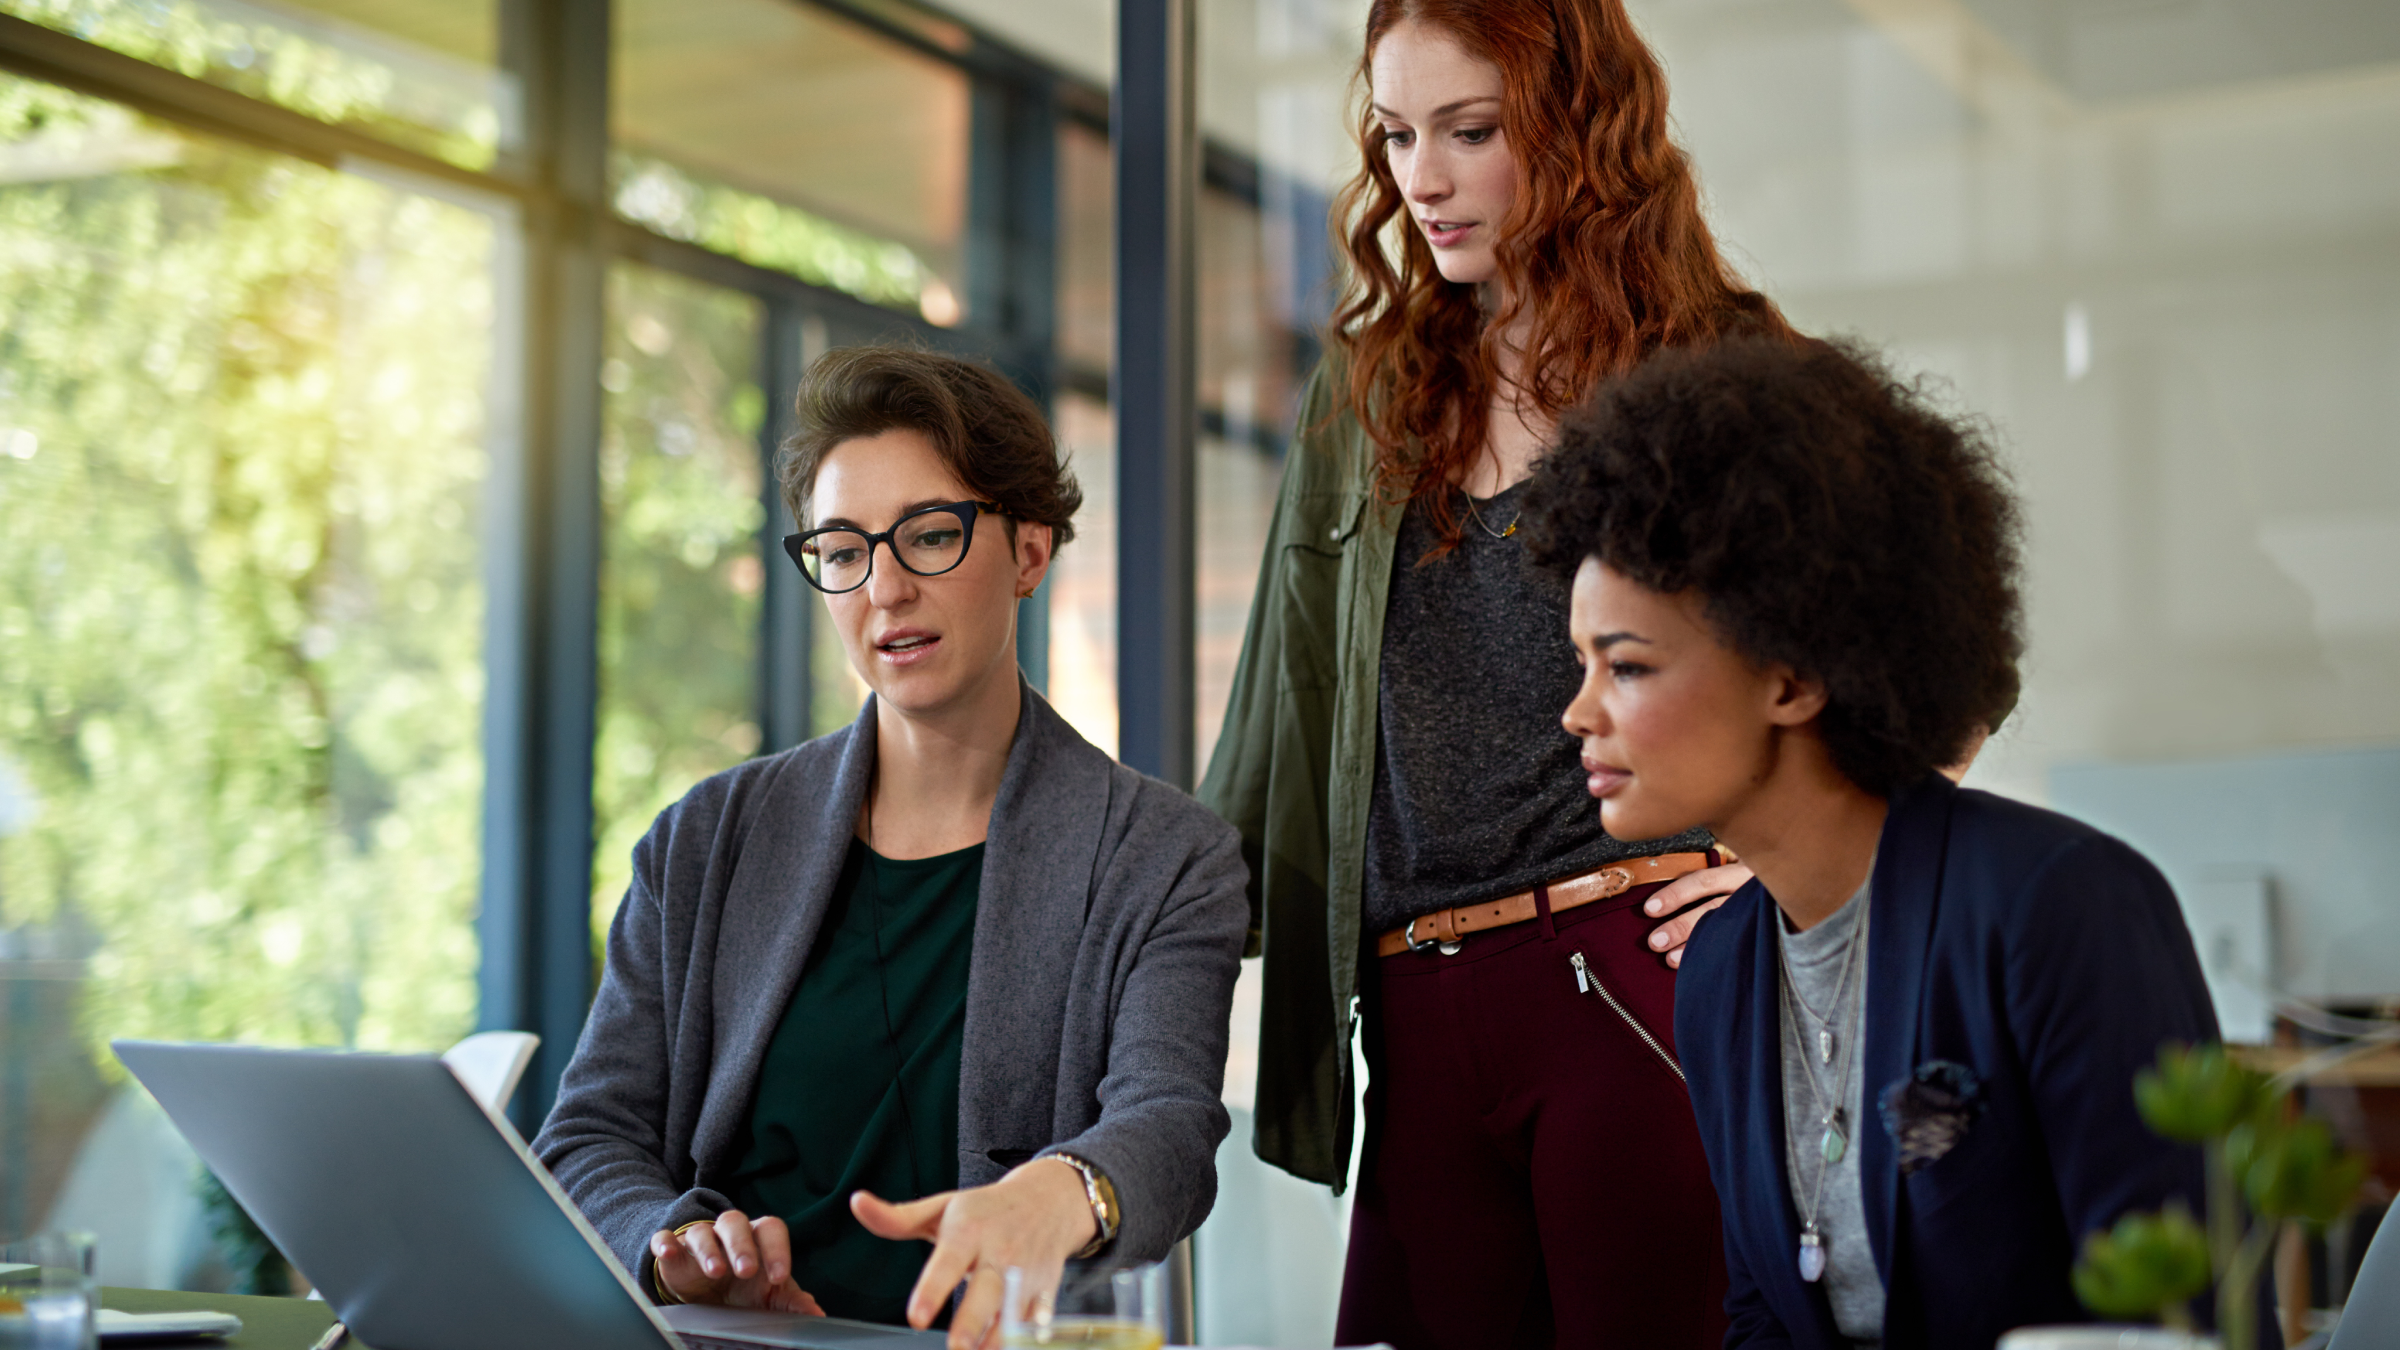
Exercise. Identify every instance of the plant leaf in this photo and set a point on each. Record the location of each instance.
(2145, 1265)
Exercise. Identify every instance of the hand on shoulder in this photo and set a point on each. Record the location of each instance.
(1688, 898)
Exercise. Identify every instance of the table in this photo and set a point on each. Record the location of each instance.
(267, 1323)
(2359, 1098)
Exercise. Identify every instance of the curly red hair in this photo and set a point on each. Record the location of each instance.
(1605, 250)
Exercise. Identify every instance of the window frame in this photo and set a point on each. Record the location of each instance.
(550, 193)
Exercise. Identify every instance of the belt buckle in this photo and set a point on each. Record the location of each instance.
(1445, 948)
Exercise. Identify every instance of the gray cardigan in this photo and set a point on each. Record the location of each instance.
(1107, 938)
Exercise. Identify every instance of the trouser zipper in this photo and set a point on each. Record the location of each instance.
(1587, 981)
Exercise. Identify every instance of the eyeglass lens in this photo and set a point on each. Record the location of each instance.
(927, 545)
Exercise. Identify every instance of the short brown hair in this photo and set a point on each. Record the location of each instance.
(985, 429)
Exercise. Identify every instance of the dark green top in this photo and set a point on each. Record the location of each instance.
(859, 1089)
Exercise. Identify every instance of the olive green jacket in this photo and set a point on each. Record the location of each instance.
(1294, 768)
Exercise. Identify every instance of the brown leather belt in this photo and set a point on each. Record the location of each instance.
(1444, 928)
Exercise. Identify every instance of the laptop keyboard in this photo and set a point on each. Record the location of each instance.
(833, 1334)
(732, 1329)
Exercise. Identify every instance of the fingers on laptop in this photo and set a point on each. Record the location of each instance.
(738, 1238)
(776, 1278)
(732, 1261)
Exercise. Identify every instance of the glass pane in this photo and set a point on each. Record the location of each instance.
(789, 137)
(1082, 589)
(1273, 78)
(1083, 579)
(1249, 384)
(243, 414)
(1258, 311)
(421, 73)
(1087, 299)
(682, 576)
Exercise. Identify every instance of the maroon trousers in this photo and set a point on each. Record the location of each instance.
(1533, 1174)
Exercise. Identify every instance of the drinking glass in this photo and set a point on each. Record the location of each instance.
(1110, 1307)
(46, 1293)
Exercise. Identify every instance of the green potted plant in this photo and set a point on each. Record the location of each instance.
(2267, 1165)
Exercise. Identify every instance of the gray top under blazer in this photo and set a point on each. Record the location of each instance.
(1107, 939)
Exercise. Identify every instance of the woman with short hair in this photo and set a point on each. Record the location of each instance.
(1912, 1039)
(1522, 228)
(949, 975)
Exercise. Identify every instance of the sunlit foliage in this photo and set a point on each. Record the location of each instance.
(242, 444)
(430, 100)
(767, 232)
(681, 578)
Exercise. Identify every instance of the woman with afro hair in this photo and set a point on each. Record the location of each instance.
(1794, 592)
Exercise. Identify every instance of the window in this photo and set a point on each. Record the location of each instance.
(419, 73)
(246, 413)
(1272, 78)
(681, 573)
(1082, 587)
(787, 137)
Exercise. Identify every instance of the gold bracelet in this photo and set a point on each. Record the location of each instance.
(667, 1297)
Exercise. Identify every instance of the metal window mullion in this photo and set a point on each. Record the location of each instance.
(542, 648)
(1010, 271)
(785, 689)
(1156, 152)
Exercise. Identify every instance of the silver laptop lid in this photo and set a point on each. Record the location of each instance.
(2372, 1317)
(418, 1213)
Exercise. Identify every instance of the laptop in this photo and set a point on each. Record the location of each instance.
(2371, 1319)
(421, 1216)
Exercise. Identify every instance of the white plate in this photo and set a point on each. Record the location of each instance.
(124, 1328)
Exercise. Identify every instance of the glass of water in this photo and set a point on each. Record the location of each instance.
(47, 1294)
(1112, 1307)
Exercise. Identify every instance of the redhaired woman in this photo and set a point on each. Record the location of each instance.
(1419, 841)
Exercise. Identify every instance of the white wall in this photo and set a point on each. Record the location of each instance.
(2178, 309)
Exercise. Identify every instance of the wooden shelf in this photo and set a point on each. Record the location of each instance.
(2376, 1068)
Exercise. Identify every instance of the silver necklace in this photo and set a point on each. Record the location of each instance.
(1823, 1021)
(1477, 516)
(1834, 1143)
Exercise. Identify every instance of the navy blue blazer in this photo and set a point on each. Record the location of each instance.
(2048, 959)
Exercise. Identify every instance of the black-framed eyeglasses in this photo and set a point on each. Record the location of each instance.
(928, 541)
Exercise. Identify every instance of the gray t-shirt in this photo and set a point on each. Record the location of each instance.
(1479, 792)
(1818, 959)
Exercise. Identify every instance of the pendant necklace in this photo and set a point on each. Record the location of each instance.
(1477, 516)
(1834, 1143)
